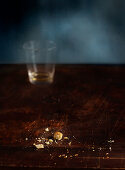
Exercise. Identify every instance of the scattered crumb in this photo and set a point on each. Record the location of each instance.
(65, 156)
(110, 148)
(100, 148)
(66, 138)
(69, 143)
(93, 148)
(50, 140)
(39, 140)
(47, 143)
(111, 141)
(47, 129)
(71, 156)
(67, 151)
(38, 146)
(76, 154)
(43, 138)
(58, 135)
(26, 138)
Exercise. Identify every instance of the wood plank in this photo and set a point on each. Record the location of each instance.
(86, 103)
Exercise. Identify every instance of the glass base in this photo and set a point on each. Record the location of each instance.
(40, 78)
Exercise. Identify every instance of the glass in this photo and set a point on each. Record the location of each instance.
(40, 57)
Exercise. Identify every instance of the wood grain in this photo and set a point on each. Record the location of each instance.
(85, 102)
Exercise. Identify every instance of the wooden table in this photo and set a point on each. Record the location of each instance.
(86, 103)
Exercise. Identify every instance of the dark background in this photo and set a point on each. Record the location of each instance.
(85, 31)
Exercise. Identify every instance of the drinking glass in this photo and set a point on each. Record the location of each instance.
(40, 56)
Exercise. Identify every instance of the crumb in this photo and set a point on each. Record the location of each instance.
(55, 141)
(71, 156)
(111, 141)
(69, 143)
(58, 135)
(43, 138)
(26, 138)
(47, 129)
(39, 140)
(76, 154)
(67, 151)
(38, 146)
(100, 148)
(66, 138)
(110, 148)
(60, 156)
(65, 156)
(50, 140)
(47, 143)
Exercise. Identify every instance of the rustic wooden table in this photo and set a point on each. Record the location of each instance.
(86, 103)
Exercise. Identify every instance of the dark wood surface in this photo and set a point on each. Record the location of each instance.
(86, 103)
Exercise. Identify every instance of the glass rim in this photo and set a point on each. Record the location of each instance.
(30, 45)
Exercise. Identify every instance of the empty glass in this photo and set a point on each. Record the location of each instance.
(40, 56)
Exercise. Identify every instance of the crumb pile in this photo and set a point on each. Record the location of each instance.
(51, 138)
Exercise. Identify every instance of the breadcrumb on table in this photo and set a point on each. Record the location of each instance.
(58, 135)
